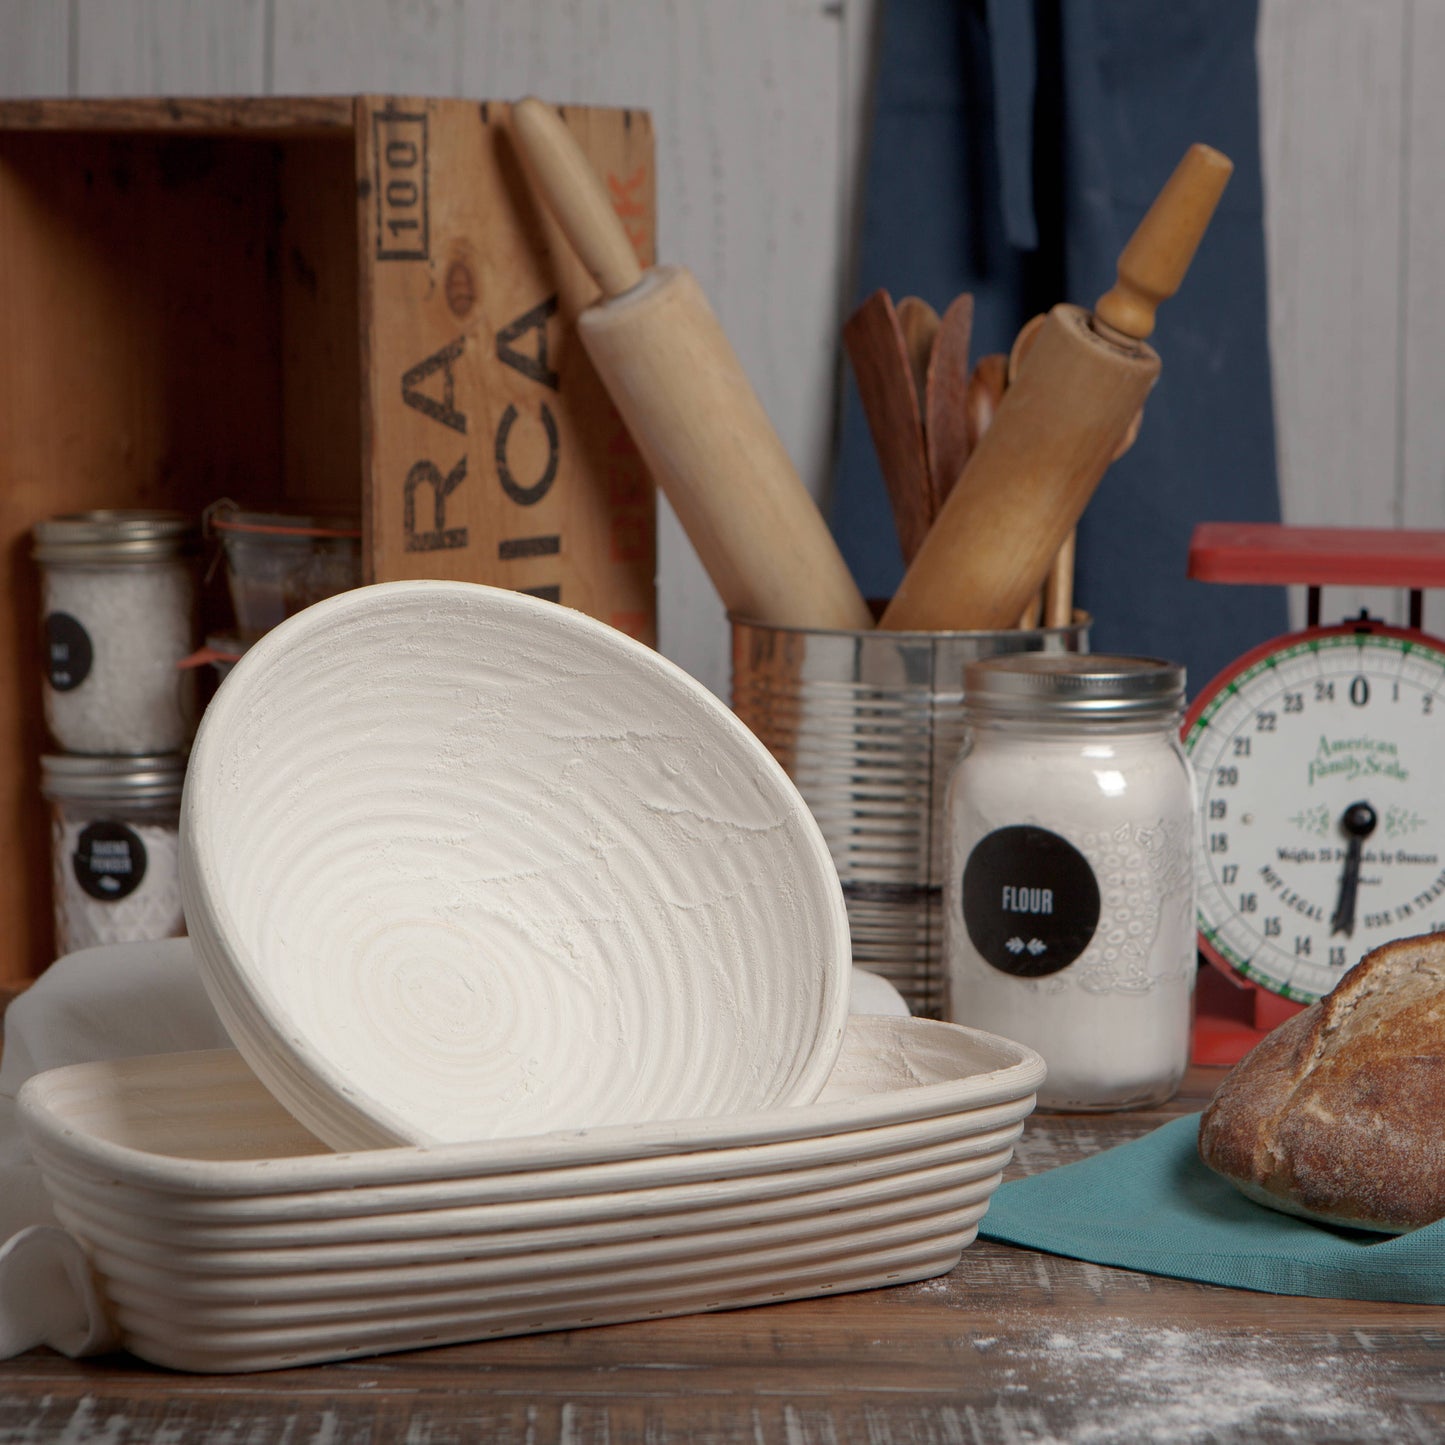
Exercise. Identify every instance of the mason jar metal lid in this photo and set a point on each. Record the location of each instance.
(146, 778)
(113, 535)
(1074, 685)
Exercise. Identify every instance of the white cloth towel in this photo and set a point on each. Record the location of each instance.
(115, 1002)
(102, 1003)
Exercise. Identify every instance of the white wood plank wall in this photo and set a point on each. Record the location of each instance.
(760, 108)
(1353, 127)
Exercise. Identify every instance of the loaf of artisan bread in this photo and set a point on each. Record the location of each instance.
(1339, 1114)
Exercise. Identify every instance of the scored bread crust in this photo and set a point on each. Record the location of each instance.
(1339, 1114)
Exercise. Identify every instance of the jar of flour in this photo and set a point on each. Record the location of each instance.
(1069, 902)
(118, 602)
(115, 847)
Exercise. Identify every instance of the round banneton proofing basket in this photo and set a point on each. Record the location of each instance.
(461, 864)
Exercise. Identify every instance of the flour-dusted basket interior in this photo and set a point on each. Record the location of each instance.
(462, 864)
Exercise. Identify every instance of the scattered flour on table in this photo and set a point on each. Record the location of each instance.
(1128, 1383)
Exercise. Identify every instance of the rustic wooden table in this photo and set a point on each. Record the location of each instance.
(1012, 1346)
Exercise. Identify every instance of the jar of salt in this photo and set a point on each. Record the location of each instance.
(115, 854)
(1069, 904)
(119, 602)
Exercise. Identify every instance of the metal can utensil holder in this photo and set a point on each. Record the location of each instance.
(867, 725)
(115, 850)
(1069, 910)
(119, 608)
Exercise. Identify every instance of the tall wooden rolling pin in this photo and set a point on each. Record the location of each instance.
(670, 371)
(1057, 426)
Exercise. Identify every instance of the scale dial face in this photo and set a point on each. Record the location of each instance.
(1320, 773)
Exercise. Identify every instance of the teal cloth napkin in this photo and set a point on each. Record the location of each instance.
(1151, 1205)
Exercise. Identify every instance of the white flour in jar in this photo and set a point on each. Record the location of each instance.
(1069, 904)
(114, 637)
(115, 883)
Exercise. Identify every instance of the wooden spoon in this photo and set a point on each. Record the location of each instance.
(878, 350)
(945, 398)
(1058, 593)
(986, 386)
(918, 322)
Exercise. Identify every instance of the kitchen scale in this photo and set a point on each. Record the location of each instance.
(1320, 765)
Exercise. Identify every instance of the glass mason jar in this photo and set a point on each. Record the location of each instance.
(1069, 909)
(279, 563)
(115, 853)
(119, 606)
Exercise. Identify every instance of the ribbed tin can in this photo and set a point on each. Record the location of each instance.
(868, 725)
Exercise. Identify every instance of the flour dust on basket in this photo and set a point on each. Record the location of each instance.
(1069, 901)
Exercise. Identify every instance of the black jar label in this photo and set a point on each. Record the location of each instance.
(1030, 900)
(109, 860)
(68, 653)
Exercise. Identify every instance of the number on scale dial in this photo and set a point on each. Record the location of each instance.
(1320, 767)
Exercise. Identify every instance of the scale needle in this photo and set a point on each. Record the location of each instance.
(1358, 822)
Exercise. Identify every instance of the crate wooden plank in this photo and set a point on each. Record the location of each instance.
(491, 452)
(282, 116)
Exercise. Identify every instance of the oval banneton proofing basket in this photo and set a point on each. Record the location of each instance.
(462, 864)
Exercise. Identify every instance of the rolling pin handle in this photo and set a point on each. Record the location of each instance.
(1153, 263)
(576, 195)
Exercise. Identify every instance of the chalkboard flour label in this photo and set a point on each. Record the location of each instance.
(109, 860)
(1030, 900)
(68, 651)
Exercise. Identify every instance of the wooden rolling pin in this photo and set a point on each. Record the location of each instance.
(1057, 426)
(670, 371)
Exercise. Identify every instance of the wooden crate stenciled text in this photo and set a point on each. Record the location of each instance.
(430, 387)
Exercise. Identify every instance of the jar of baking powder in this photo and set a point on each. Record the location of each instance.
(119, 604)
(1069, 904)
(114, 826)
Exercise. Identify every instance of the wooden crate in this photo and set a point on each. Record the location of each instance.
(349, 302)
